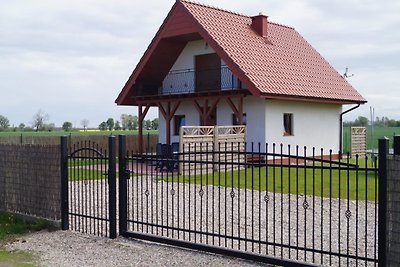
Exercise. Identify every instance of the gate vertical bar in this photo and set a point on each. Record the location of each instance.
(382, 216)
(112, 189)
(64, 183)
(122, 179)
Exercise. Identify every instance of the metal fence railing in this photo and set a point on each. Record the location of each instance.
(184, 81)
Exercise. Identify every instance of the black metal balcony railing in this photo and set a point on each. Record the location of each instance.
(184, 81)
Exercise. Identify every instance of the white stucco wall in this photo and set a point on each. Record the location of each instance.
(252, 106)
(192, 49)
(314, 125)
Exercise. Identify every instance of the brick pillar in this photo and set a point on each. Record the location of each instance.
(393, 211)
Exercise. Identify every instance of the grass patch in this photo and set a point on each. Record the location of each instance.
(348, 184)
(86, 174)
(10, 226)
(17, 259)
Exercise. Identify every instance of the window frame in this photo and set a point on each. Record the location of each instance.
(288, 129)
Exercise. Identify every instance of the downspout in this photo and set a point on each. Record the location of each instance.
(341, 128)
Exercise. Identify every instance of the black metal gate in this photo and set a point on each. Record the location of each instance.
(277, 207)
(89, 188)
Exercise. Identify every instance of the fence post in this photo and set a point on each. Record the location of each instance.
(396, 145)
(122, 179)
(64, 183)
(382, 198)
(112, 190)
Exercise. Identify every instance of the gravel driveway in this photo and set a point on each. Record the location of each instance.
(68, 248)
(330, 225)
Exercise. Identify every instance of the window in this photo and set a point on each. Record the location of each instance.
(211, 119)
(235, 119)
(179, 120)
(288, 124)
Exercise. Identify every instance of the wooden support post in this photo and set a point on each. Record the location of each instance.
(142, 114)
(168, 114)
(205, 110)
(238, 111)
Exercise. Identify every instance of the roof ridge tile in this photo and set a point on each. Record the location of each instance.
(214, 7)
(231, 12)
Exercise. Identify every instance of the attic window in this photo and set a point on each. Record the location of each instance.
(288, 124)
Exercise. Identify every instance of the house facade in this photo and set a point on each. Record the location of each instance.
(208, 66)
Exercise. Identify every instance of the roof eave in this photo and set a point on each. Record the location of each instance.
(314, 99)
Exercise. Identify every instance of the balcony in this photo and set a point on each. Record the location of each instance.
(194, 81)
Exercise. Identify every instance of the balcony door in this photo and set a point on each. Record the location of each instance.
(208, 72)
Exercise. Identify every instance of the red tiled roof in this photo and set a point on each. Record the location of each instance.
(282, 65)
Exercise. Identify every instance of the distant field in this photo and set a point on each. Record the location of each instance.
(371, 140)
(73, 133)
(378, 133)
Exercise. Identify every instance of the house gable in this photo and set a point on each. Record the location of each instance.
(178, 29)
(279, 64)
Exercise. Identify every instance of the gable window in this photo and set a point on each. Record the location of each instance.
(179, 120)
(235, 119)
(288, 124)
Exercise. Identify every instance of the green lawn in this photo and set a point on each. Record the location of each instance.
(17, 259)
(10, 226)
(360, 184)
(86, 175)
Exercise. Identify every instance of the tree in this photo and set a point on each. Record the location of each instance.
(85, 124)
(21, 126)
(39, 120)
(147, 124)
(49, 127)
(124, 121)
(117, 126)
(67, 126)
(361, 121)
(103, 126)
(110, 124)
(135, 122)
(129, 122)
(4, 123)
(155, 123)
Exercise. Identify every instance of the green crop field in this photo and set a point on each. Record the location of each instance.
(72, 133)
(372, 136)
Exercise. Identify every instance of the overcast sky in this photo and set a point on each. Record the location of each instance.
(70, 58)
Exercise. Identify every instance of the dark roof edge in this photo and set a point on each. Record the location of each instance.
(312, 99)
